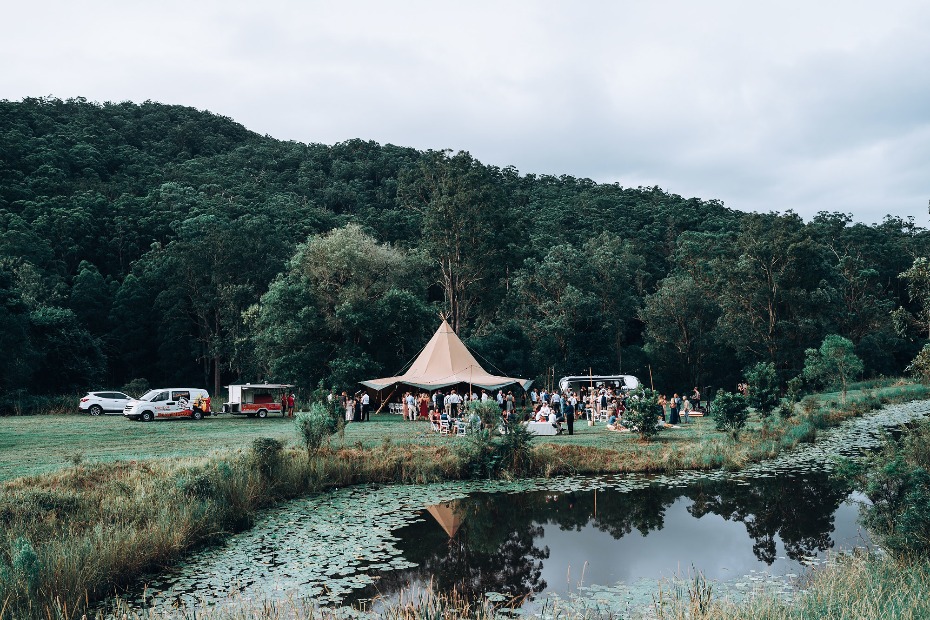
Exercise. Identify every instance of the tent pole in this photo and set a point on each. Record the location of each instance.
(381, 406)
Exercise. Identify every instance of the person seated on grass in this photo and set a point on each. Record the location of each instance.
(617, 425)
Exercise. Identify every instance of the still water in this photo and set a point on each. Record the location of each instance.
(541, 540)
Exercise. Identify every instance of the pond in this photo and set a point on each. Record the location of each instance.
(613, 540)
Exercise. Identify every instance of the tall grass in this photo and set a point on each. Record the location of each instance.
(858, 587)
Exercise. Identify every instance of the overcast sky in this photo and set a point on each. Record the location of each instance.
(767, 106)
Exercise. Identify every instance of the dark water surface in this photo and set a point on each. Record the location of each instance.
(607, 538)
(537, 543)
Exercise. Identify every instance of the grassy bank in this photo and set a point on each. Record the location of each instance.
(858, 587)
(72, 534)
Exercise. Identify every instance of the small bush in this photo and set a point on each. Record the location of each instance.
(810, 404)
(315, 427)
(763, 387)
(489, 412)
(644, 412)
(786, 409)
(266, 456)
(730, 412)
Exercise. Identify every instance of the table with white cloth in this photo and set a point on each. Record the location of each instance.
(541, 428)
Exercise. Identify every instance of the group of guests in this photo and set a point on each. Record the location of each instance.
(559, 408)
(357, 407)
(424, 405)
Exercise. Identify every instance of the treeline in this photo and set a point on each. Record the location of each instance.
(164, 243)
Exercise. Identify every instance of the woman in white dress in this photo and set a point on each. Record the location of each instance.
(350, 408)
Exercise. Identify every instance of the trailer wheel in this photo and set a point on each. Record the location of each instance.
(197, 415)
(263, 413)
(147, 416)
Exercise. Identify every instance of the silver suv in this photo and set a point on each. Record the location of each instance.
(96, 403)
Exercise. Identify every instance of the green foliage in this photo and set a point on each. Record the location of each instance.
(730, 412)
(489, 412)
(266, 456)
(763, 393)
(25, 569)
(162, 242)
(315, 427)
(487, 456)
(919, 368)
(644, 412)
(834, 363)
(897, 482)
(136, 387)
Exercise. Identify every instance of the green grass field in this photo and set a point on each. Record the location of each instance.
(32, 445)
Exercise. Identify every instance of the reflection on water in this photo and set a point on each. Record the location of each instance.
(539, 541)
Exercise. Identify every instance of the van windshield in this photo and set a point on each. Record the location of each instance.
(150, 395)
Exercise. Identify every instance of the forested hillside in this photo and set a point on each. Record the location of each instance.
(159, 242)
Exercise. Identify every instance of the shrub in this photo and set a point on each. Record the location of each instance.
(897, 482)
(266, 456)
(644, 412)
(730, 412)
(489, 412)
(763, 387)
(315, 427)
(796, 389)
(512, 450)
(919, 368)
(786, 409)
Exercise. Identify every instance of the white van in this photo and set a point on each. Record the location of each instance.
(169, 403)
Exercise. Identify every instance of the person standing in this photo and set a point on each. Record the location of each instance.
(454, 401)
(440, 403)
(410, 403)
(350, 408)
(424, 405)
(290, 405)
(568, 412)
(366, 410)
(674, 407)
(685, 409)
(283, 404)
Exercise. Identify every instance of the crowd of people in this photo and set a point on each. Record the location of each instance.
(560, 408)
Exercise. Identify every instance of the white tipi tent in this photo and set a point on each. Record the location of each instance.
(445, 361)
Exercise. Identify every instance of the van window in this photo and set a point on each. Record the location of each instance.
(160, 396)
(181, 394)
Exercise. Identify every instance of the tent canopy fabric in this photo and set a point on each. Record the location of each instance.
(445, 361)
(448, 516)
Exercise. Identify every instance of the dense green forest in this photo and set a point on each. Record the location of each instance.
(165, 243)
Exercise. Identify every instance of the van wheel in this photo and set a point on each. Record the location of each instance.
(147, 416)
(262, 413)
(197, 415)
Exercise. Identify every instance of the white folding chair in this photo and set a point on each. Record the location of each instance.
(444, 427)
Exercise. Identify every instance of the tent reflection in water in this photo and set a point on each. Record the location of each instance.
(449, 515)
(445, 362)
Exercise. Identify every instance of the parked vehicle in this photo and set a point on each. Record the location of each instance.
(97, 403)
(167, 403)
(256, 399)
(623, 382)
